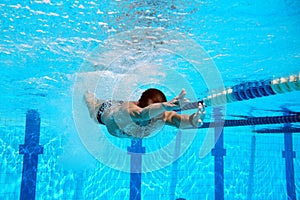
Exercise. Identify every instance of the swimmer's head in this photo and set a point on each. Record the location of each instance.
(151, 96)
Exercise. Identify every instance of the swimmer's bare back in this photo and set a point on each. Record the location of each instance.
(127, 119)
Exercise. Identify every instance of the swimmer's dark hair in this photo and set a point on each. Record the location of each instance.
(151, 95)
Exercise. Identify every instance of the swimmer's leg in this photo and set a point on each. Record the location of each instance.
(93, 104)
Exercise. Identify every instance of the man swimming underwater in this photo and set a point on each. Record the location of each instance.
(144, 117)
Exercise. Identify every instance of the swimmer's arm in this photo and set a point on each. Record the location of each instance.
(147, 113)
(183, 121)
(157, 109)
(177, 120)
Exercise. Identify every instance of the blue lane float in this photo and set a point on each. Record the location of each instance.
(31, 149)
(254, 89)
(250, 90)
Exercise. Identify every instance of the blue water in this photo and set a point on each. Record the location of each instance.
(51, 51)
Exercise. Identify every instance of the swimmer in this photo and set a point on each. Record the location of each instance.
(142, 118)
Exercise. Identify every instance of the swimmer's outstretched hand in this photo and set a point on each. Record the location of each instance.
(177, 102)
(196, 119)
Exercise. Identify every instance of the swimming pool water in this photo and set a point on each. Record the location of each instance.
(45, 46)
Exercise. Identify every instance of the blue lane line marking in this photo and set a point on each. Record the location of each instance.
(30, 149)
(219, 152)
(251, 170)
(289, 155)
(175, 166)
(136, 150)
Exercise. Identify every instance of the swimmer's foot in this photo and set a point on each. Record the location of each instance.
(92, 104)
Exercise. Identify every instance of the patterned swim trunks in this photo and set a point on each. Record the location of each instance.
(104, 107)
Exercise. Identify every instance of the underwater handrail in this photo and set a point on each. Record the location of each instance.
(250, 90)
